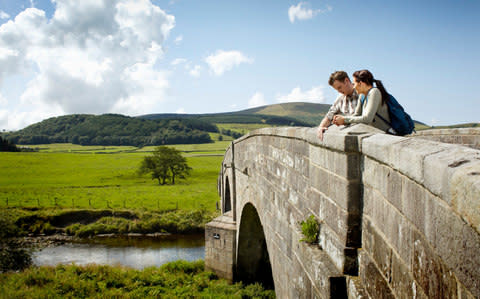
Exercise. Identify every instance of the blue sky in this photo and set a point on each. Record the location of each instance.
(139, 57)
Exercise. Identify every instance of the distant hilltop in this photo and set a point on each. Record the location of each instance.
(172, 128)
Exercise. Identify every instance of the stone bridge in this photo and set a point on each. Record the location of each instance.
(399, 216)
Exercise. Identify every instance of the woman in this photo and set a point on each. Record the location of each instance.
(373, 106)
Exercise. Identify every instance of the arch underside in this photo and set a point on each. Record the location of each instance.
(253, 262)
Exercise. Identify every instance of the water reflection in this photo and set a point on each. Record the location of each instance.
(134, 252)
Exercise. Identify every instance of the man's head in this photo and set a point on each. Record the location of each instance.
(340, 81)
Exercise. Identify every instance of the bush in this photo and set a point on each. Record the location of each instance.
(310, 229)
(11, 257)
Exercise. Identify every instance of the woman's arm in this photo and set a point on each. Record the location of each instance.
(374, 100)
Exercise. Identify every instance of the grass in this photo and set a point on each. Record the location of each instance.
(242, 128)
(178, 279)
(53, 178)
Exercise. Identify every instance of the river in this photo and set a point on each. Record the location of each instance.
(134, 252)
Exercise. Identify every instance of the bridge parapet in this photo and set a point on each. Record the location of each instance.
(466, 136)
(399, 216)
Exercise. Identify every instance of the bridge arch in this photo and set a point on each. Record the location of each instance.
(253, 261)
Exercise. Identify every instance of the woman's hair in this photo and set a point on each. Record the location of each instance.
(367, 77)
(337, 76)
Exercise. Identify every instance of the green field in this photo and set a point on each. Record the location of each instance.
(99, 177)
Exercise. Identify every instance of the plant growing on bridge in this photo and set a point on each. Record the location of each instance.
(310, 228)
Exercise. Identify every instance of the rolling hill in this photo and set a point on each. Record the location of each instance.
(293, 114)
(170, 128)
(154, 129)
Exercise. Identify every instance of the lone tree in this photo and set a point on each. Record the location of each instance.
(165, 164)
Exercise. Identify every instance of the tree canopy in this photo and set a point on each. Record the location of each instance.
(166, 164)
(6, 146)
(113, 129)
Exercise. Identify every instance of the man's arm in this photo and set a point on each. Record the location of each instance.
(323, 127)
(327, 120)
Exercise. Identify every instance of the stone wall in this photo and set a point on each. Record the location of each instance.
(400, 217)
(466, 136)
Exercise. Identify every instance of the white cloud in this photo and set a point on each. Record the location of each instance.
(297, 95)
(3, 101)
(4, 15)
(93, 56)
(16, 119)
(195, 71)
(180, 111)
(178, 40)
(178, 61)
(223, 61)
(257, 100)
(301, 12)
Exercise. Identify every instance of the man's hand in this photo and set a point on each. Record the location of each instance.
(323, 127)
(320, 132)
(338, 120)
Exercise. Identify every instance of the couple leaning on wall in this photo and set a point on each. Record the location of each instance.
(360, 102)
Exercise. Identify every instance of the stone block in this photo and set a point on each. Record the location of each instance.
(463, 293)
(344, 258)
(387, 181)
(345, 139)
(431, 274)
(401, 153)
(355, 288)
(333, 216)
(457, 244)
(372, 279)
(302, 165)
(319, 179)
(220, 246)
(394, 188)
(297, 182)
(413, 203)
(346, 165)
(326, 280)
(298, 147)
(465, 193)
(330, 243)
(382, 255)
(395, 228)
(313, 198)
(440, 166)
(402, 282)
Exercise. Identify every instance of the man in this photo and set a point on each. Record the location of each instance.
(345, 103)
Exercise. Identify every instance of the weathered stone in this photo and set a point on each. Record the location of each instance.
(465, 193)
(401, 213)
(430, 273)
(373, 281)
(413, 203)
(465, 136)
(402, 282)
(220, 239)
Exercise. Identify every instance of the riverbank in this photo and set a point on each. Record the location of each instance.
(84, 223)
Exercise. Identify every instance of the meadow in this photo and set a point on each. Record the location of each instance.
(99, 177)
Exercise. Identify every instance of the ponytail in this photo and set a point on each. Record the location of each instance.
(367, 77)
(383, 91)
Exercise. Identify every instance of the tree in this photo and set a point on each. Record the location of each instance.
(165, 164)
(6, 146)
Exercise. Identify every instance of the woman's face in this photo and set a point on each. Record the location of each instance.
(359, 86)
